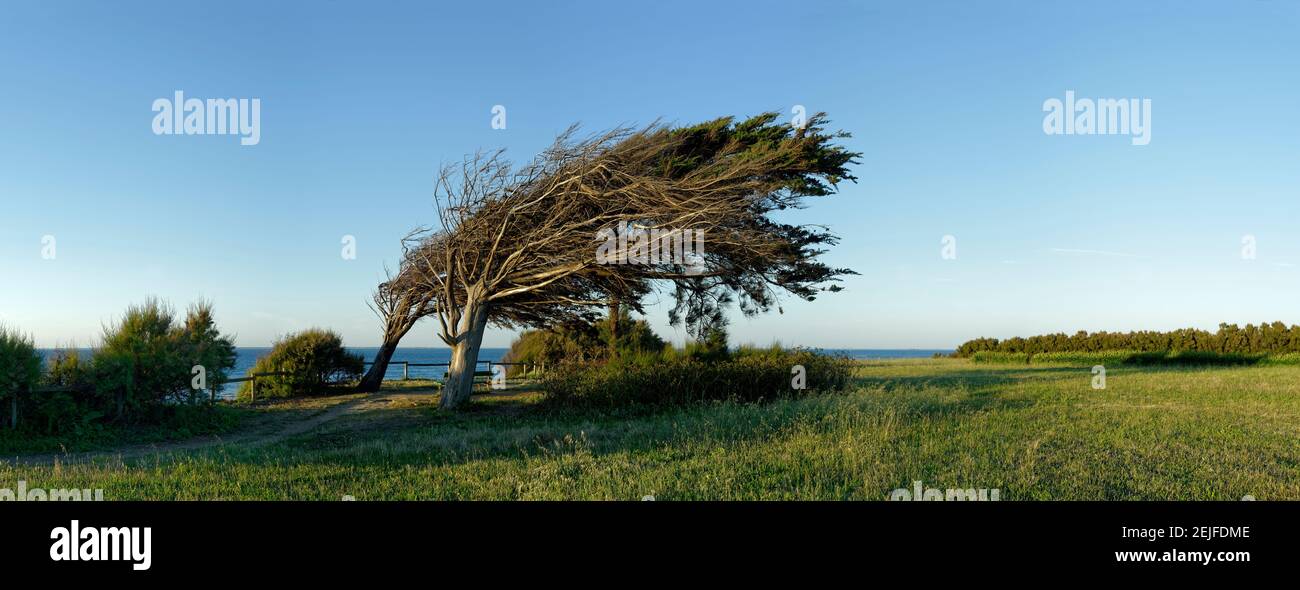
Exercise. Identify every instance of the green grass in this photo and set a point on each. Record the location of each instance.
(1032, 431)
(219, 420)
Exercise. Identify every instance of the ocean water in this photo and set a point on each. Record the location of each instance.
(246, 357)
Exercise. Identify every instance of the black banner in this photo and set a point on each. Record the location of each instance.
(239, 539)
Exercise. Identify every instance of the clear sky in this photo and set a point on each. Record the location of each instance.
(362, 101)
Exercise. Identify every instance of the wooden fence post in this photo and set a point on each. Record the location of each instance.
(252, 394)
(406, 370)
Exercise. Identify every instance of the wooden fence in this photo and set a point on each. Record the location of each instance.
(212, 392)
(252, 393)
(538, 368)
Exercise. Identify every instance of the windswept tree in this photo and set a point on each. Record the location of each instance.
(532, 247)
(400, 302)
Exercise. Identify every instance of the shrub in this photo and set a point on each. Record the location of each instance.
(204, 345)
(711, 347)
(583, 343)
(751, 377)
(66, 368)
(144, 363)
(72, 410)
(315, 362)
(20, 367)
(555, 347)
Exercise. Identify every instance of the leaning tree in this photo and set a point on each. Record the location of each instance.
(529, 247)
(400, 302)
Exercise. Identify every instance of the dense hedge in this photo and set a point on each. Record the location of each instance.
(749, 376)
(1274, 338)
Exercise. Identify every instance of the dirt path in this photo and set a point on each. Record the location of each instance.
(264, 430)
(272, 426)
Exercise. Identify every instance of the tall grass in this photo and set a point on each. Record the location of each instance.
(1000, 358)
(1108, 357)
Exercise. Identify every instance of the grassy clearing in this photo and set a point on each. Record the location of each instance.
(1034, 432)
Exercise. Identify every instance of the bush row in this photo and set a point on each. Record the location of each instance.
(747, 376)
(1272, 338)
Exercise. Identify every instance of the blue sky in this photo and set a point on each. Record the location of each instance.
(361, 103)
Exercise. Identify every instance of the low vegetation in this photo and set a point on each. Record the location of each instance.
(637, 370)
(1034, 432)
(143, 374)
(146, 363)
(138, 385)
(20, 366)
(311, 362)
(746, 375)
(584, 343)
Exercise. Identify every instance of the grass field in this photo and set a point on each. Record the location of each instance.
(1035, 432)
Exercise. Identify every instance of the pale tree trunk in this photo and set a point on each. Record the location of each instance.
(464, 358)
(374, 378)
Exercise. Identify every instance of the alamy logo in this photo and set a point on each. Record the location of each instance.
(215, 116)
(25, 494)
(920, 492)
(73, 543)
(1103, 116)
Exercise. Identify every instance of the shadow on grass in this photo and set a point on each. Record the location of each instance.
(963, 380)
(495, 427)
